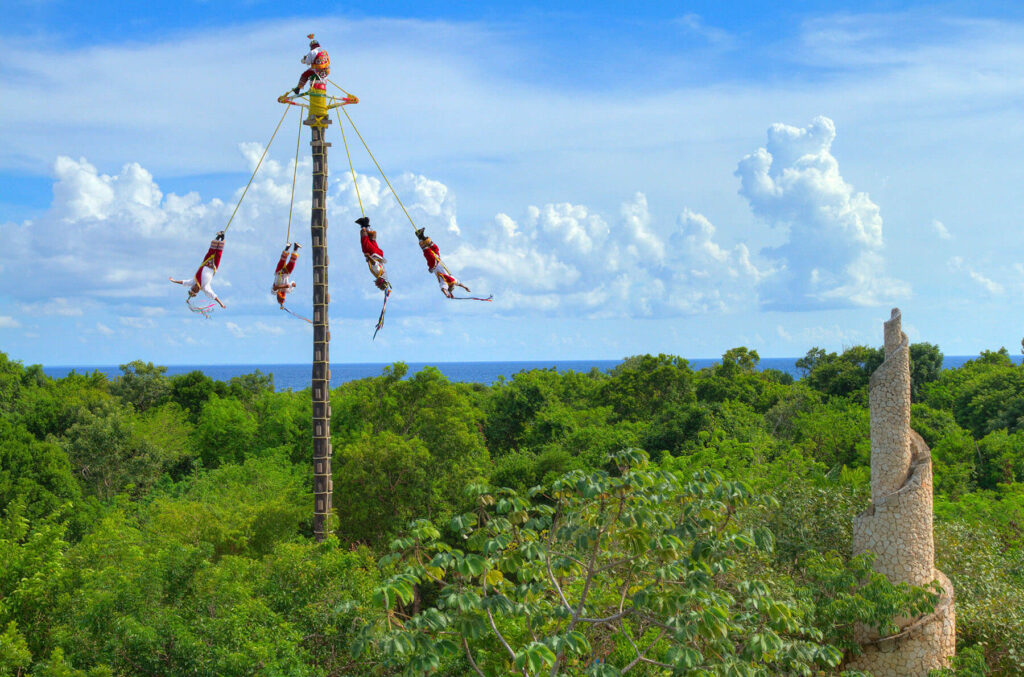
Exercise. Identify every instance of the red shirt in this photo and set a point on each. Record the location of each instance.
(368, 244)
(432, 254)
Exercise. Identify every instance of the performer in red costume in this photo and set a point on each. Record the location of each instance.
(374, 256)
(318, 61)
(285, 266)
(200, 282)
(436, 266)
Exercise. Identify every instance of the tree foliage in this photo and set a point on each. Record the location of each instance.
(599, 574)
(155, 525)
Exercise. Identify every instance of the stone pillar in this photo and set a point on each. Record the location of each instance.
(897, 527)
(322, 482)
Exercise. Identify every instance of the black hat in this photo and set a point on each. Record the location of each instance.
(420, 235)
(363, 221)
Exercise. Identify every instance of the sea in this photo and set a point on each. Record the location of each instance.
(299, 376)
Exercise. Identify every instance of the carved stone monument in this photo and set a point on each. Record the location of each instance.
(897, 527)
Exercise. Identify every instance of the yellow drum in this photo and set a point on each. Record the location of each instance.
(318, 100)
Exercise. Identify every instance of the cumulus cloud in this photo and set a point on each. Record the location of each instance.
(8, 322)
(940, 230)
(115, 238)
(568, 258)
(711, 277)
(104, 235)
(112, 240)
(832, 254)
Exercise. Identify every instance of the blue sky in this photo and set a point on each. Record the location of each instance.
(655, 177)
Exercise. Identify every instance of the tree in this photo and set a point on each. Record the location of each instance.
(737, 378)
(225, 432)
(36, 473)
(989, 398)
(741, 359)
(843, 375)
(836, 433)
(12, 375)
(643, 384)
(109, 457)
(141, 384)
(386, 482)
(54, 407)
(1000, 459)
(808, 362)
(14, 653)
(602, 574)
(34, 561)
(192, 390)
(925, 367)
(249, 386)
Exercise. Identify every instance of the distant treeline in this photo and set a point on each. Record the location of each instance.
(652, 520)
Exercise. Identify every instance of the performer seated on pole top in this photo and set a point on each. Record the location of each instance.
(374, 256)
(285, 265)
(317, 60)
(436, 266)
(200, 282)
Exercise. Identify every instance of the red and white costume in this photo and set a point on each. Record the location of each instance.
(204, 276)
(282, 281)
(319, 65)
(374, 256)
(433, 256)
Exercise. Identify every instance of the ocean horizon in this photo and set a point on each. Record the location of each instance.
(299, 376)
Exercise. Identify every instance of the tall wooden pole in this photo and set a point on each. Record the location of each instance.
(322, 483)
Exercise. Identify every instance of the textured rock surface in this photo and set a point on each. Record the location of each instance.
(897, 527)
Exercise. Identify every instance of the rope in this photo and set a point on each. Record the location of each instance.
(256, 170)
(294, 314)
(347, 93)
(350, 166)
(370, 153)
(295, 170)
(384, 176)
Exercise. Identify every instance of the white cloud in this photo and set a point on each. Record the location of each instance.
(710, 278)
(940, 230)
(990, 286)
(137, 322)
(114, 240)
(8, 322)
(58, 306)
(831, 256)
(695, 25)
(104, 329)
(271, 329)
(565, 257)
